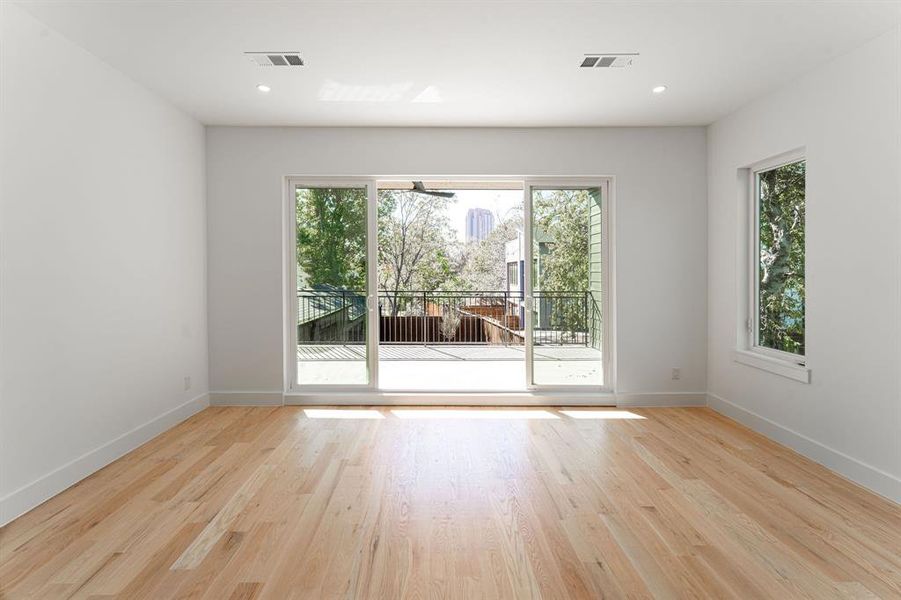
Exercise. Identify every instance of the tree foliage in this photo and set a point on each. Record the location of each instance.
(414, 236)
(563, 216)
(781, 193)
(331, 237)
(418, 248)
(483, 265)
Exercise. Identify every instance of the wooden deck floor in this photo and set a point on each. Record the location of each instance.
(269, 503)
(480, 352)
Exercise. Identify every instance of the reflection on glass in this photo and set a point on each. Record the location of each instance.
(567, 252)
(331, 286)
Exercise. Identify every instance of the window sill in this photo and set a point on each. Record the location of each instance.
(773, 365)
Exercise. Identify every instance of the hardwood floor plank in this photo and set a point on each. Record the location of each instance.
(246, 590)
(217, 527)
(262, 502)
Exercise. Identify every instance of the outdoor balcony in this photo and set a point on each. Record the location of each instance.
(460, 340)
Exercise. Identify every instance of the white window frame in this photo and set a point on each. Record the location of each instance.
(749, 352)
(371, 391)
(290, 282)
(608, 306)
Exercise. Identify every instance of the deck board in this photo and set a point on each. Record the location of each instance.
(480, 352)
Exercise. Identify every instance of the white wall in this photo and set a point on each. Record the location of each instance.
(660, 230)
(848, 115)
(102, 299)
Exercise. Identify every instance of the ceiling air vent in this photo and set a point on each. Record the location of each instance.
(275, 59)
(608, 61)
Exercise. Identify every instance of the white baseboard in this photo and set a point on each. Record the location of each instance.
(451, 399)
(27, 497)
(246, 398)
(397, 398)
(870, 477)
(661, 399)
(493, 399)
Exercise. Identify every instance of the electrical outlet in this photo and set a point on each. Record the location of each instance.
(187, 383)
(677, 374)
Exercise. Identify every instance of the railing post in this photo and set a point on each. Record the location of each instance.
(504, 320)
(342, 323)
(585, 314)
(425, 317)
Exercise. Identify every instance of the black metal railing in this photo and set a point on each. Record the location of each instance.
(563, 318)
(331, 316)
(449, 317)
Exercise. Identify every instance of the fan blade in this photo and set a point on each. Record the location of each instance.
(419, 188)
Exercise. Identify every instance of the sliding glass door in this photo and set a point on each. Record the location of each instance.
(565, 299)
(331, 313)
(447, 286)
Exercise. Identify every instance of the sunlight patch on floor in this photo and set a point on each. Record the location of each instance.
(342, 413)
(463, 413)
(600, 414)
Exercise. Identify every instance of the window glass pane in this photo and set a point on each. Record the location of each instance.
(331, 286)
(566, 292)
(780, 266)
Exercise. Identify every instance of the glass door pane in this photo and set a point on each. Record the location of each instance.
(449, 294)
(567, 247)
(332, 315)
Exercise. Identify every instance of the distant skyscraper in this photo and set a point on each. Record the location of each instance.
(479, 223)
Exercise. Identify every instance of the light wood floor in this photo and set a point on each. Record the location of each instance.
(267, 503)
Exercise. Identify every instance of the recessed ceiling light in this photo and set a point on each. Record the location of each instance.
(263, 88)
(659, 89)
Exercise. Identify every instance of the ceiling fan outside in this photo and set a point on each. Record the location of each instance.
(419, 188)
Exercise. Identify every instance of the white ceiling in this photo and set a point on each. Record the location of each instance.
(465, 63)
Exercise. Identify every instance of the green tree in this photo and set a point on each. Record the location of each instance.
(563, 216)
(414, 244)
(483, 265)
(331, 237)
(781, 193)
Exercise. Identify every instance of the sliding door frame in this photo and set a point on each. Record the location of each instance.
(605, 185)
(370, 393)
(292, 184)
